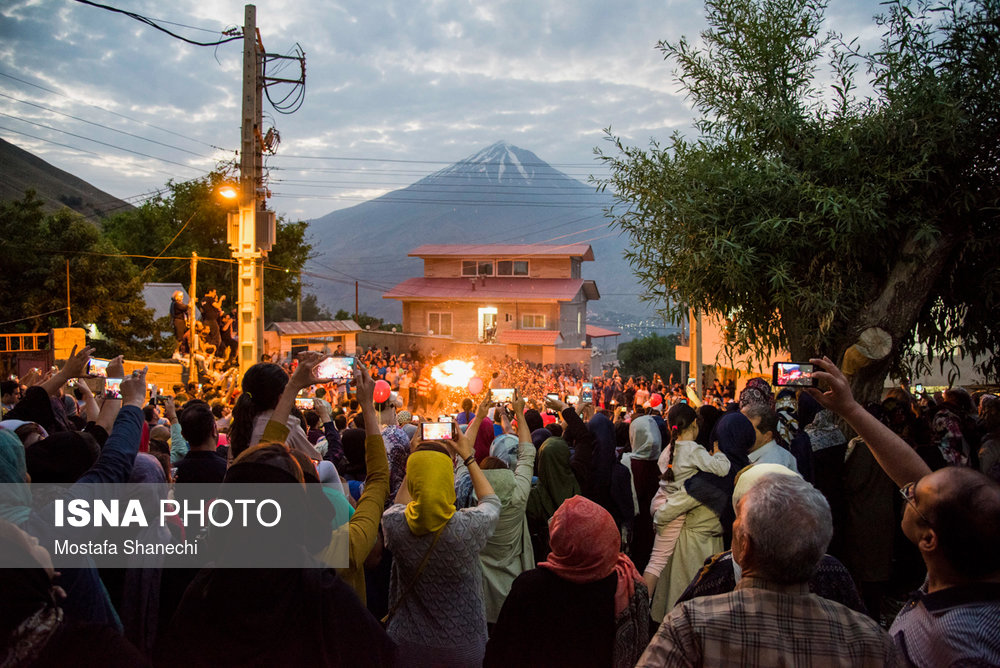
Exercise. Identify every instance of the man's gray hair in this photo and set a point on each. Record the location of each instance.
(790, 525)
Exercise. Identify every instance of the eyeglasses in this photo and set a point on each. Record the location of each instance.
(910, 496)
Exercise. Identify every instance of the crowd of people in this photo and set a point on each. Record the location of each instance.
(588, 521)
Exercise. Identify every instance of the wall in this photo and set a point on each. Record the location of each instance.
(398, 342)
(550, 267)
(572, 314)
(465, 316)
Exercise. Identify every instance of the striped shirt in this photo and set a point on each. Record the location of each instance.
(956, 626)
(767, 624)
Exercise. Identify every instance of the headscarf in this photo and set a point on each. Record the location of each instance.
(15, 500)
(484, 437)
(395, 437)
(644, 435)
(353, 441)
(403, 418)
(556, 481)
(539, 436)
(62, 457)
(736, 435)
(788, 422)
(757, 392)
(38, 406)
(752, 475)
(30, 616)
(586, 545)
(430, 479)
(823, 432)
(604, 451)
(505, 447)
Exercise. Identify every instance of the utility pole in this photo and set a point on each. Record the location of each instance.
(192, 305)
(298, 301)
(355, 301)
(69, 312)
(251, 231)
(243, 230)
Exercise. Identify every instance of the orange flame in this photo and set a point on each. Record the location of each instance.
(453, 373)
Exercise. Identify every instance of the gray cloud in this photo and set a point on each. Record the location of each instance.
(434, 80)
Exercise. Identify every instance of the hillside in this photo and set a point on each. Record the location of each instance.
(21, 171)
(501, 194)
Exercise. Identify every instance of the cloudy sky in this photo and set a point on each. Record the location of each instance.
(396, 89)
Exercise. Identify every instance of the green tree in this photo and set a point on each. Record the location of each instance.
(803, 215)
(368, 321)
(648, 355)
(105, 288)
(190, 218)
(288, 311)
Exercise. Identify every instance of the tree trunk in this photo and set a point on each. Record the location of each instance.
(898, 306)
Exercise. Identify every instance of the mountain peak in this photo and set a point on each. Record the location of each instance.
(500, 162)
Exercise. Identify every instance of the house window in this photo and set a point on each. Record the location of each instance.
(477, 267)
(512, 267)
(532, 321)
(439, 323)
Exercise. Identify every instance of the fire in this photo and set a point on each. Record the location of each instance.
(453, 373)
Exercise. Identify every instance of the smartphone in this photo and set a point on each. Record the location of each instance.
(335, 368)
(97, 367)
(691, 382)
(436, 431)
(304, 403)
(793, 374)
(113, 388)
(553, 396)
(919, 388)
(587, 393)
(502, 395)
(572, 399)
(445, 418)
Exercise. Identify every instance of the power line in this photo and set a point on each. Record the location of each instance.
(150, 22)
(32, 317)
(100, 125)
(115, 113)
(433, 162)
(97, 141)
(407, 200)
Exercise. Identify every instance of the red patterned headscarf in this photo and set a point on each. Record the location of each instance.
(585, 546)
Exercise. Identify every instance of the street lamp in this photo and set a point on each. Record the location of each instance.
(228, 191)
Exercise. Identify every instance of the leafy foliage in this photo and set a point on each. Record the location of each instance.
(105, 289)
(648, 355)
(801, 214)
(190, 218)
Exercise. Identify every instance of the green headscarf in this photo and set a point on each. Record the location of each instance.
(15, 499)
(556, 481)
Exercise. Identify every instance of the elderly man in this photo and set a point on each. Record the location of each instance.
(782, 529)
(953, 517)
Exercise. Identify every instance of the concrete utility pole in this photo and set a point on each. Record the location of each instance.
(192, 319)
(251, 231)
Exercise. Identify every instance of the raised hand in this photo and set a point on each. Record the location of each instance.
(303, 375)
(133, 388)
(839, 397)
(363, 382)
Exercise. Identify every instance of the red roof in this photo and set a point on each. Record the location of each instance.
(493, 289)
(530, 337)
(583, 251)
(596, 332)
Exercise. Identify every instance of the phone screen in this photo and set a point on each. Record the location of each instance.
(572, 399)
(502, 395)
(436, 431)
(335, 368)
(113, 388)
(795, 374)
(304, 403)
(553, 396)
(97, 367)
(587, 393)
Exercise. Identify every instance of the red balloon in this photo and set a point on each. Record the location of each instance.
(475, 385)
(655, 400)
(381, 392)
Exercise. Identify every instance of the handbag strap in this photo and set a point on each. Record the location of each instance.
(416, 576)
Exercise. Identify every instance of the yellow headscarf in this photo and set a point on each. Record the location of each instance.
(430, 479)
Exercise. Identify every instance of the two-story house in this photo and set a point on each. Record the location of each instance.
(528, 297)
